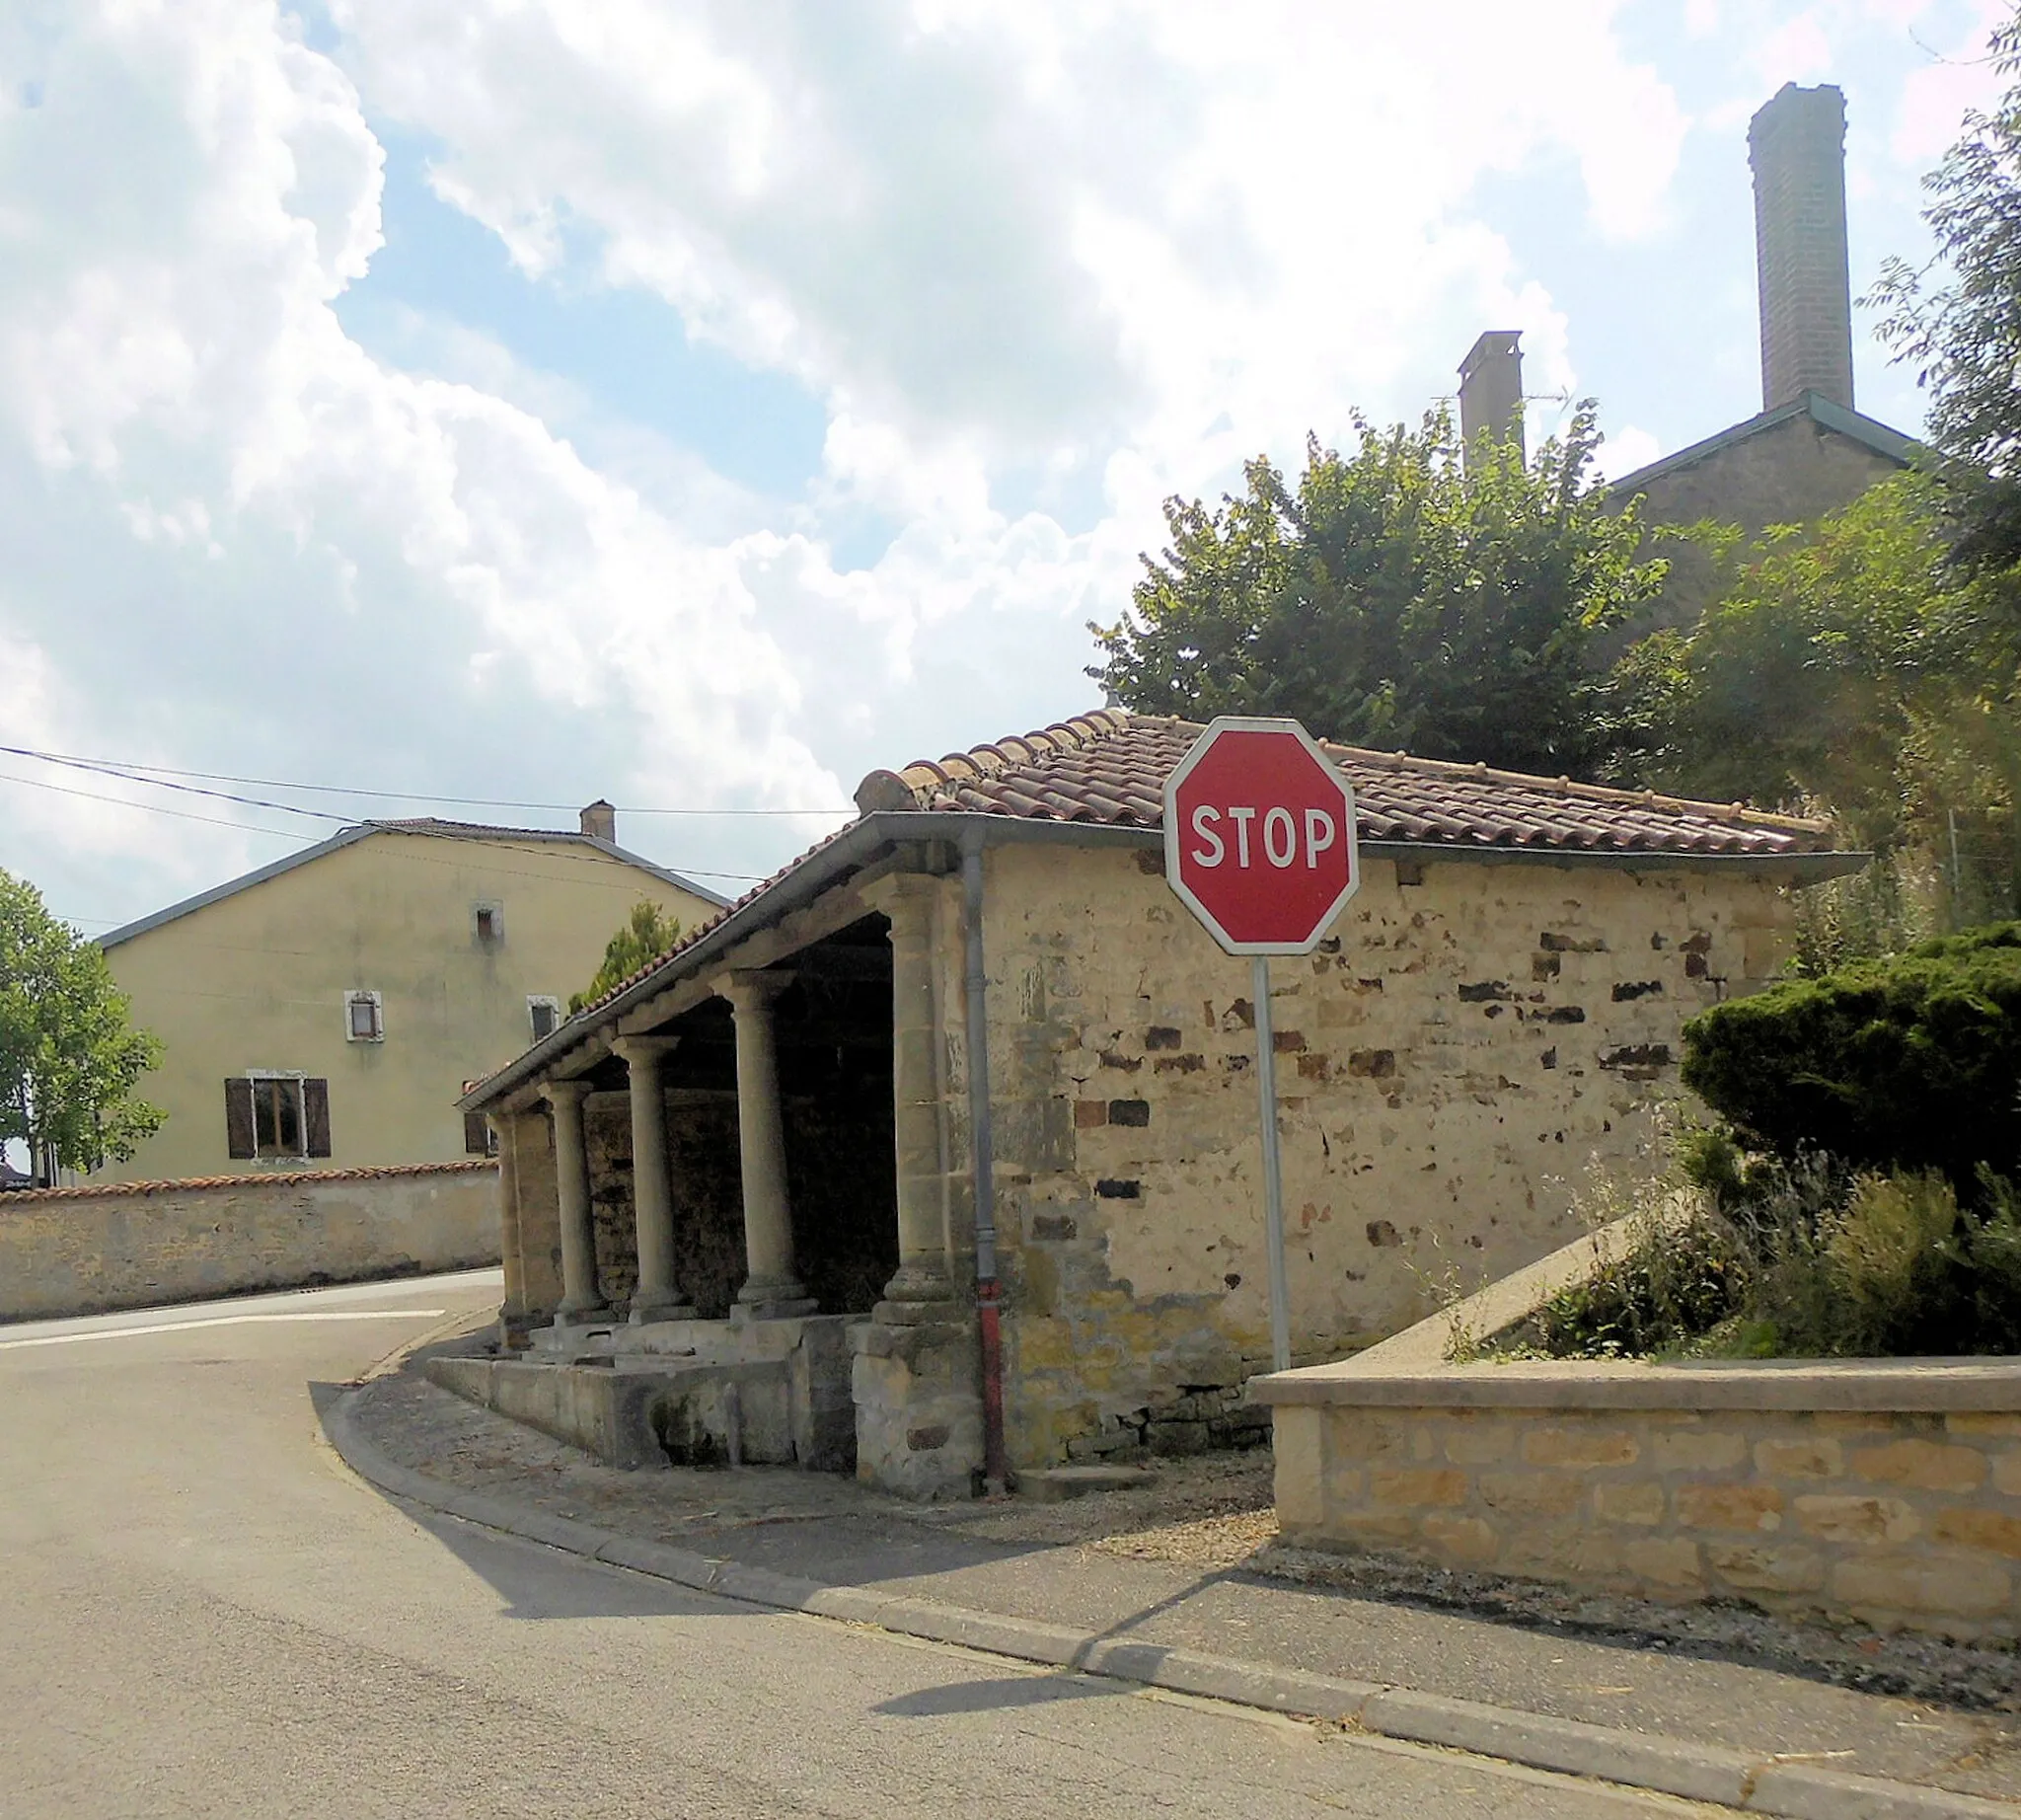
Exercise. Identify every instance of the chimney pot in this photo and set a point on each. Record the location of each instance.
(600, 821)
(1796, 146)
(1492, 391)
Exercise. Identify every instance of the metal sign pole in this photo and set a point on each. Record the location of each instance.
(1273, 1173)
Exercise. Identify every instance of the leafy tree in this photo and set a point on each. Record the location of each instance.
(1958, 320)
(1853, 667)
(645, 935)
(1395, 599)
(68, 1060)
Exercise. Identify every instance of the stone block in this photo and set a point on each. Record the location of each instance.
(1630, 1502)
(2007, 1475)
(1569, 1551)
(1056, 1484)
(1478, 1443)
(1925, 1465)
(1296, 1437)
(1667, 1562)
(1466, 1539)
(1755, 1567)
(1697, 1451)
(1580, 1447)
(1842, 1517)
(1730, 1506)
(1372, 1529)
(1418, 1487)
(1991, 1530)
(1807, 1458)
(1549, 1495)
(1371, 1434)
(1922, 1584)
(1984, 1422)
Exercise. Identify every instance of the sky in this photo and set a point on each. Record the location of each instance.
(702, 402)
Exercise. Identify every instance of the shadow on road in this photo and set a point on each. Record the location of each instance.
(1033, 1690)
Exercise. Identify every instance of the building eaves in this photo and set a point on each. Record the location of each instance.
(1884, 440)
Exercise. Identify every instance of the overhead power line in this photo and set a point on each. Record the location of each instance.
(140, 773)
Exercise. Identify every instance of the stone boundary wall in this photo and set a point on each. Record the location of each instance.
(1886, 1491)
(136, 1245)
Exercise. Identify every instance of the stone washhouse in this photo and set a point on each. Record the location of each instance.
(937, 1155)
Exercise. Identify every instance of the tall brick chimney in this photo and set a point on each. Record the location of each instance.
(600, 821)
(1796, 145)
(1491, 389)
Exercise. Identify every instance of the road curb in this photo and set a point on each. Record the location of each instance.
(1759, 1785)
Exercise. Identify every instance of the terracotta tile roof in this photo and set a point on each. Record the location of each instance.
(1110, 767)
(99, 1190)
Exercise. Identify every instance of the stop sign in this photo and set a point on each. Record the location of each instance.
(1259, 836)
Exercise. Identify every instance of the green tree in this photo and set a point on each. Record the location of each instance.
(1395, 599)
(68, 1058)
(645, 935)
(1853, 667)
(1958, 321)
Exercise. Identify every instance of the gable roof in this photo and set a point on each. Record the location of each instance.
(1100, 777)
(426, 825)
(1888, 444)
(1110, 767)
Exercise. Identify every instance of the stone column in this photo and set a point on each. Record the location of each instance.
(581, 1300)
(512, 1309)
(773, 1286)
(652, 1200)
(922, 1290)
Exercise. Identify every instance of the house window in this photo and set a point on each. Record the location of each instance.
(479, 1137)
(544, 1014)
(274, 1115)
(487, 924)
(363, 1017)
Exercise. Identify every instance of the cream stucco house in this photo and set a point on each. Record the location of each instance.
(326, 1011)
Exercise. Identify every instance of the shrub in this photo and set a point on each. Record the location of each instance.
(1911, 1064)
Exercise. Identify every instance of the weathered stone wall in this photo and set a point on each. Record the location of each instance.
(1896, 1518)
(85, 1251)
(1468, 1038)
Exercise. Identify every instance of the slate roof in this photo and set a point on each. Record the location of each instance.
(425, 825)
(1110, 767)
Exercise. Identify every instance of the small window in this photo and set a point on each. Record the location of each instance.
(276, 1117)
(544, 1014)
(363, 1017)
(487, 924)
(479, 1138)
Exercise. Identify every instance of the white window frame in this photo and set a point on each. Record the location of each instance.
(373, 998)
(299, 1076)
(534, 999)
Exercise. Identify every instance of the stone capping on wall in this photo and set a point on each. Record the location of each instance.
(99, 1190)
(1910, 1386)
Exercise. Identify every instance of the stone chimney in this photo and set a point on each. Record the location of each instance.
(1796, 145)
(600, 822)
(1492, 391)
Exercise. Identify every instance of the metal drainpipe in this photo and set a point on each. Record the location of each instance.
(996, 1468)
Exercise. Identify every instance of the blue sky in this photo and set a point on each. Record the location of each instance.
(699, 403)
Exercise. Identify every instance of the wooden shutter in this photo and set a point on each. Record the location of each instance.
(476, 1135)
(239, 1118)
(316, 1113)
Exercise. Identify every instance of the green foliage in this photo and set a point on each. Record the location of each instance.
(1666, 1289)
(1906, 1064)
(68, 1060)
(1958, 321)
(1393, 599)
(645, 935)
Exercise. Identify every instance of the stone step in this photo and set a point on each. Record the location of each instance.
(1056, 1483)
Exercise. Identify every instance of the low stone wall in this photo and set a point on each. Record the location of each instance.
(1887, 1490)
(136, 1245)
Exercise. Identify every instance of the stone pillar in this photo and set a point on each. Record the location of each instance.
(529, 1139)
(773, 1285)
(581, 1300)
(512, 1308)
(922, 1290)
(657, 1297)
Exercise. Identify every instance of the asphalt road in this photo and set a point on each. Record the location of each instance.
(202, 1612)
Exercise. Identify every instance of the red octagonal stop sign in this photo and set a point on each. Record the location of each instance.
(1259, 836)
